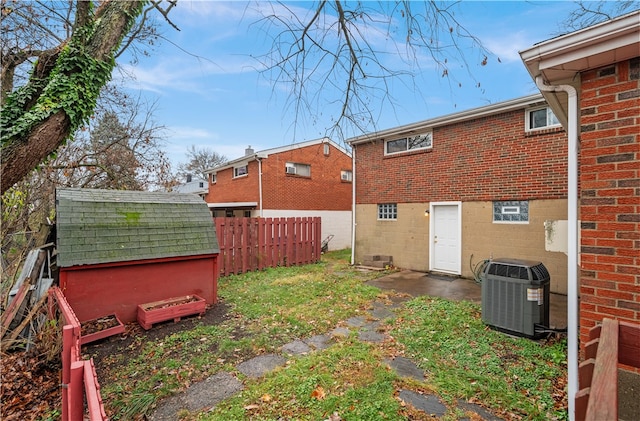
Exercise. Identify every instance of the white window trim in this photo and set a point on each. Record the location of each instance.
(429, 133)
(296, 165)
(527, 119)
(246, 166)
(349, 175)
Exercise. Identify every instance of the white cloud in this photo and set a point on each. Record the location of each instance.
(507, 46)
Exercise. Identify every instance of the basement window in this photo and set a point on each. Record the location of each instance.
(388, 211)
(511, 212)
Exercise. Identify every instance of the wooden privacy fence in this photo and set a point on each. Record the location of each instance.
(612, 343)
(79, 379)
(248, 244)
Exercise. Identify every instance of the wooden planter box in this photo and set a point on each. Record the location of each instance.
(172, 308)
(114, 324)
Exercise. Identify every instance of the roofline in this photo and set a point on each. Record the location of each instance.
(560, 60)
(266, 152)
(471, 114)
(232, 204)
(583, 43)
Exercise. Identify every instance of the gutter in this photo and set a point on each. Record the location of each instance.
(353, 205)
(572, 242)
(259, 159)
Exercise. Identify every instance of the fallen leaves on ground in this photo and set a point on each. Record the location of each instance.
(30, 388)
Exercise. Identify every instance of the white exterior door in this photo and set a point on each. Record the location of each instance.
(445, 235)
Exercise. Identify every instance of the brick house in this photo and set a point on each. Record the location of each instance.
(306, 179)
(118, 249)
(591, 79)
(446, 193)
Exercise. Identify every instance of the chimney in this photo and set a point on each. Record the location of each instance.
(188, 178)
(248, 151)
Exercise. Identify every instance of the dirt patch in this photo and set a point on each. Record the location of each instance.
(30, 389)
(124, 344)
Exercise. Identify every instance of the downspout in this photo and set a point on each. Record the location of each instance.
(572, 243)
(353, 204)
(259, 185)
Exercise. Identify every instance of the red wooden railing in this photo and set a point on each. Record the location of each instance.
(79, 380)
(248, 244)
(610, 344)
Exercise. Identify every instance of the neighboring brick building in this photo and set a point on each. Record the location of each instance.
(602, 63)
(490, 178)
(310, 178)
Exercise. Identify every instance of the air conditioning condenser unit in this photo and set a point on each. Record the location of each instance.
(515, 296)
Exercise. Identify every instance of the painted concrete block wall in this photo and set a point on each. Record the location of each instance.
(484, 239)
(337, 223)
(407, 238)
(610, 194)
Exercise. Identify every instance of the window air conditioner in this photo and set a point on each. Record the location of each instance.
(345, 177)
(290, 170)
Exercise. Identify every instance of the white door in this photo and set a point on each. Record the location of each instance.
(445, 238)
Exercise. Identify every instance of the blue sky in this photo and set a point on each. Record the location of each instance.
(208, 92)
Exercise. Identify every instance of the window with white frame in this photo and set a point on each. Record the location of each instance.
(293, 168)
(326, 148)
(213, 178)
(346, 175)
(411, 143)
(388, 211)
(240, 171)
(540, 118)
(511, 212)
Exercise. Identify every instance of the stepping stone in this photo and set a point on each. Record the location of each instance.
(357, 321)
(340, 332)
(404, 367)
(319, 342)
(371, 336)
(383, 313)
(260, 365)
(486, 415)
(198, 397)
(296, 347)
(426, 403)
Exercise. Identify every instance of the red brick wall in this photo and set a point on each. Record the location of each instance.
(324, 190)
(239, 189)
(490, 158)
(610, 194)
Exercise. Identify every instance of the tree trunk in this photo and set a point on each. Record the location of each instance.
(20, 155)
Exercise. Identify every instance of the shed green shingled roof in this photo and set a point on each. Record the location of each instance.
(103, 226)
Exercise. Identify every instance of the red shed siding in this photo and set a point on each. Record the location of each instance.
(490, 158)
(610, 195)
(99, 290)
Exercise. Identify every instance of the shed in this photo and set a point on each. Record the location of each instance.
(118, 249)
